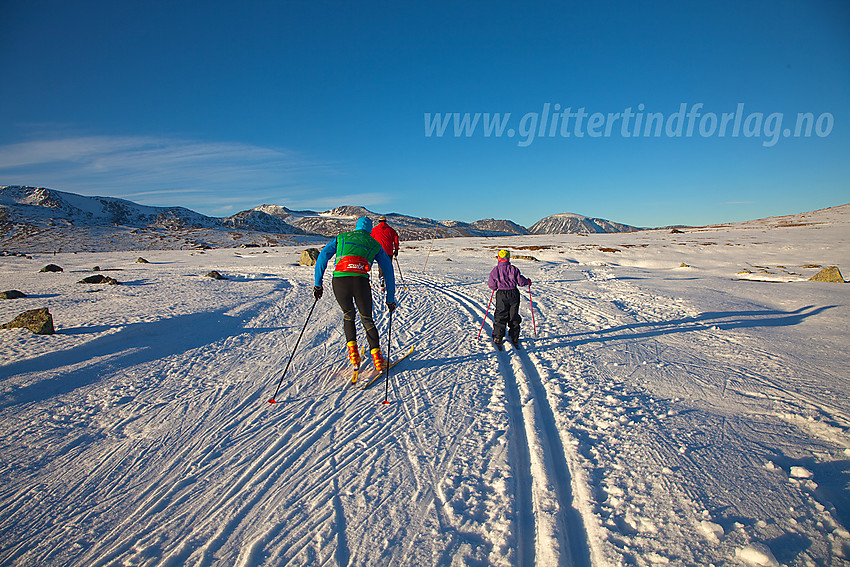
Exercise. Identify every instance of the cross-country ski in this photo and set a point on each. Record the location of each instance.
(376, 375)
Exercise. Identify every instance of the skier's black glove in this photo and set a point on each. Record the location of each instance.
(318, 291)
(529, 282)
(391, 305)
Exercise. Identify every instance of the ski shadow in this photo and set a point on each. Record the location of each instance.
(131, 345)
(705, 321)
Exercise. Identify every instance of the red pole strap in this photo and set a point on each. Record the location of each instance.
(486, 312)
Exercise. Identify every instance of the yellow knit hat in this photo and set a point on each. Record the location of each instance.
(504, 255)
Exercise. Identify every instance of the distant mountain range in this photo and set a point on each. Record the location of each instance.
(40, 219)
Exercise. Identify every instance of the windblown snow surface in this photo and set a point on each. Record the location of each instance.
(662, 414)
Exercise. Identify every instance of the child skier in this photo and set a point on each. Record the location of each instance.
(504, 279)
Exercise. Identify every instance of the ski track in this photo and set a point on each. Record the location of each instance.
(544, 500)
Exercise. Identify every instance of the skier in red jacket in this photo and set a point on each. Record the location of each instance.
(388, 237)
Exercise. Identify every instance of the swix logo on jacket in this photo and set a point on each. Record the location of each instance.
(352, 265)
(355, 252)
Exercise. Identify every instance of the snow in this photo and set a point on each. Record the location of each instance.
(661, 415)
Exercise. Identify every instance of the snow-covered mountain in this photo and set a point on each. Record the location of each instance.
(37, 219)
(41, 206)
(571, 223)
(336, 220)
(259, 220)
(498, 225)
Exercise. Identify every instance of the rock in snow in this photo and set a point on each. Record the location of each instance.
(309, 257)
(757, 554)
(12, 294)
(830, 274)
(39, 321)
(99, 279)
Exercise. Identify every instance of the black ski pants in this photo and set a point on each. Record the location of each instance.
(351, 291)
(506, 313)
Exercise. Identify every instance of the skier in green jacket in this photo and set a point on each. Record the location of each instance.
(355, 252)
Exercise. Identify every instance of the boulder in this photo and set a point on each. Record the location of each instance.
(215, 275)
(142, 261)
(830, 274)
(12, 294)
(51, 268)
(100, 279)
(309, 257)
(39, 321)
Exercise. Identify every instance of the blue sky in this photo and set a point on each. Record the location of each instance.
(223, 106)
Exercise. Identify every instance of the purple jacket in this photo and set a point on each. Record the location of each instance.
(506, 276)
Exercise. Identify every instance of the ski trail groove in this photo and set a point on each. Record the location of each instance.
(534, 545)
(576, 550)
(543, 477)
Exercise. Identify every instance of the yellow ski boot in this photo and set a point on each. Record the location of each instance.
(378, 360)
(353, 353)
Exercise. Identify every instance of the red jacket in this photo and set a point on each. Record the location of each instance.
(388, 237)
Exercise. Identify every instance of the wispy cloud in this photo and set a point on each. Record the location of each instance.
(199, 175)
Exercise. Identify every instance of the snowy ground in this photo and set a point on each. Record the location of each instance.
(665, 414)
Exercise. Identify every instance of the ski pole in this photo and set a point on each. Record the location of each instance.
(291, 356)
(429, 252)
(389, 337)
(533, 326)
(486, 312)
(399, 274)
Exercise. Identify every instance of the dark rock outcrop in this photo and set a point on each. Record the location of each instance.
(309, 257)
(39, 321)
(830, 274)
(12, 294)
(99, 279)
